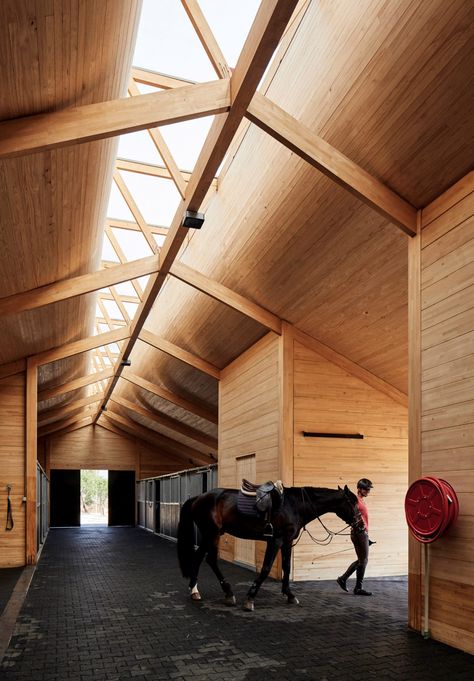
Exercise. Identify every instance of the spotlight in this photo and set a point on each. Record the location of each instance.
(193, 220)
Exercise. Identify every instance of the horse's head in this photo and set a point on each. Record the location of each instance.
(348, 510)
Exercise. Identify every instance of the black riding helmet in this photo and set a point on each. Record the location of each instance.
(364, 483)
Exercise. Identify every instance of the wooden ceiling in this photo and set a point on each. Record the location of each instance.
(387, 85)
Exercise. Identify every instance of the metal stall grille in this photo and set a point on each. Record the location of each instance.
(42, 506)
(160, 499)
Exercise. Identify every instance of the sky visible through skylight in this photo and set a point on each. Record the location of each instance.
(167, 43)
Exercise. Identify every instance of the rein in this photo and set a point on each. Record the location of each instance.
(330, 534)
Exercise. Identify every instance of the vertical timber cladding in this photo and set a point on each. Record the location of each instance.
(329, 399)
(12, 469)
(447, 401)
(249, 422)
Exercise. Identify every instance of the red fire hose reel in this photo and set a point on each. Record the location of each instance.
(431, 506)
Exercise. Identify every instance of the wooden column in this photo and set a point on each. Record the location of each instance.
(30, 460)
(414, 417)
(286, 412)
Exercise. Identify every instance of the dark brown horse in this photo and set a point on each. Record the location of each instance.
(216, 512)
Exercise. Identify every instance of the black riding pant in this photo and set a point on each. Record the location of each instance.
(361, 545)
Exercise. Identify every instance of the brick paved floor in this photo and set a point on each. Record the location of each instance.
(109, 604)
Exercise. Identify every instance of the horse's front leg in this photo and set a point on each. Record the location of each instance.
(270, 554)
(286, 566)
(212, 562)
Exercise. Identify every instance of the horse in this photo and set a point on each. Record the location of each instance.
(215, 512)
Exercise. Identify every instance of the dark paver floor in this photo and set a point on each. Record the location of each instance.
(8, 580)
(109, 604)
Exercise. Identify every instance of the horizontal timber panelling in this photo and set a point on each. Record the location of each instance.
(12, 469)
(447, 403)
(329, 399)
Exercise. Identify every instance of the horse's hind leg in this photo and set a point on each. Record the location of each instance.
(197, 560)
(270, 554)
(286, 566)
(226, 587)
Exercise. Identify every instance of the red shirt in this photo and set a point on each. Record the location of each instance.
(364, 512)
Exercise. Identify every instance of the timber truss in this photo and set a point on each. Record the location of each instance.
(231, 98)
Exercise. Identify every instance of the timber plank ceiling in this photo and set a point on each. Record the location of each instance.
(387, 84)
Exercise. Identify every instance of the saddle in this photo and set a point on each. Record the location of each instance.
(256, 500)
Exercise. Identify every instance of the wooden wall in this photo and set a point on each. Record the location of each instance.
(447, 401)
(329, 399)
(96, 448)
(249, 420)
(12, 469)
(279, 388)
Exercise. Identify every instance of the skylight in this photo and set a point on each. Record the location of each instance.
(153, 167)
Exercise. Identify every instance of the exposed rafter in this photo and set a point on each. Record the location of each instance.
(84, 418)
(160, 80)
(267, 29)
(316, 151)
(76, 347)
(175, 351)
(168, 422)
(108, 119)
(58, 412)
(193, 407)
(162, 148)
(77, 383)
(166, 444)
(207, 38)
(225, 295)
(77, 286)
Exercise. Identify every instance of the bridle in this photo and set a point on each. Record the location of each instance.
(356, 525)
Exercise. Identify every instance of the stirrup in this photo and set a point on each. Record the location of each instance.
(268, 530)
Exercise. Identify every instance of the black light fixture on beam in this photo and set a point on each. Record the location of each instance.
(126, 363)
(193, 220)
(353, 436)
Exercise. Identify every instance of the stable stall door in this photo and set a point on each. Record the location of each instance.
(244, 549)
(121, 498)
(65, 499)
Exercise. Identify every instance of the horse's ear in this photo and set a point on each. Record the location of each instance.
(346, 489)
(339, 488)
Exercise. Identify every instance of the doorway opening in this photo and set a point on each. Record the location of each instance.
(94, 497)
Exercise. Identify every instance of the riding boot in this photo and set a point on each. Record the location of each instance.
(358, 590)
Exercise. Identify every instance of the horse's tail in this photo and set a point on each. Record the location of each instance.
(186, 537)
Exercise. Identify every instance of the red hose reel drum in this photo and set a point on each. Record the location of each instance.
(431, 506)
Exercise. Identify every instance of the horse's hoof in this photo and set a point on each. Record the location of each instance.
(292, 600)
(230, 600)
(248, 606)
(196, 596)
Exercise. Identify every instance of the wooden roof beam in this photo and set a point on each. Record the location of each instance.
(207, 38)
(160, 80)
(68, 408)
(175, 351)
(316, 151)
(12, 368)
(84, 418)
(169, 445)
(77, 383)
(265, 33)
(77, 286)
(154, 171)
(57, 129)
(168, 422)
(162, 148)
(76, 347)
(225, 295)
(132, 226)
(197, 409)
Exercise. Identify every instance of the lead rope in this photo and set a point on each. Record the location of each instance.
(330, 534)
(10, 523)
